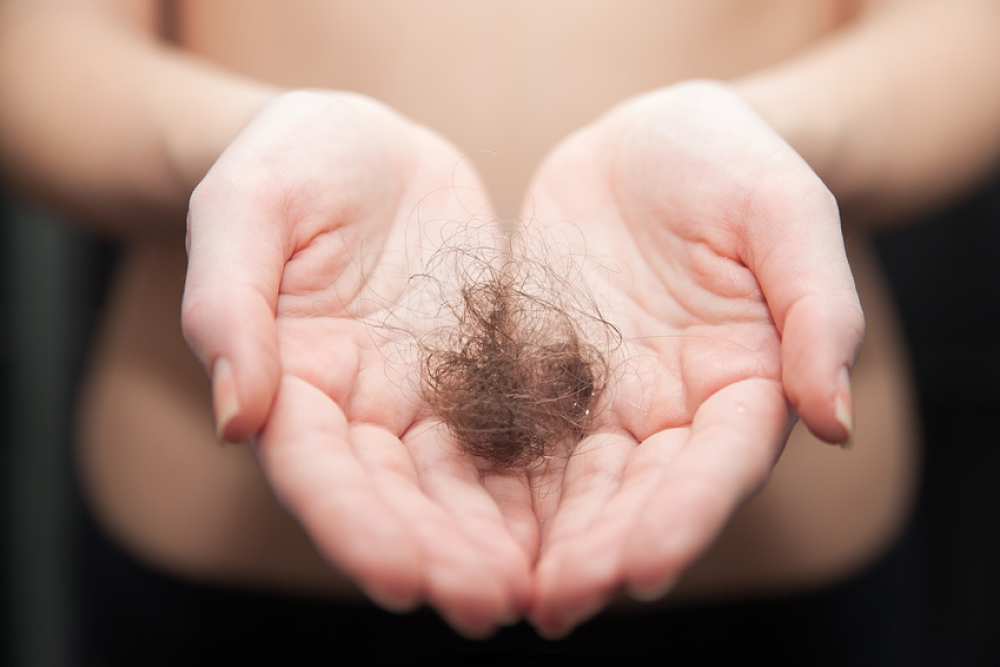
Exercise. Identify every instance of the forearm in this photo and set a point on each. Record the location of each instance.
(898, 113)
(107, 124)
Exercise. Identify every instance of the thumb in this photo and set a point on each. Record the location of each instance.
(803, 270)
(228, 312)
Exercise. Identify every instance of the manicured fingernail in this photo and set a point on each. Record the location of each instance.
(650, 592)
(844, 408)
(224, 398)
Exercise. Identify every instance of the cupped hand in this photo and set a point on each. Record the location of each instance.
(298, 241)
(725, 271)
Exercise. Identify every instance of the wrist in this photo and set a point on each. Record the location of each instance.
(196, 131)
(800, 116)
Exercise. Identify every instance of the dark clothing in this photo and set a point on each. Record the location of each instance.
(945, 278)
(132, 615)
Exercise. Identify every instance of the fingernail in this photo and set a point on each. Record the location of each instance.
(554, 633)
(475, 632)
(224, 398)
(844, 408)
(650, 592)
(512, 617)
(393, 604)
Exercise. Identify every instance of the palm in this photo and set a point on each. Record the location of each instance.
(358, 456)
(347, 444)
(680, 205)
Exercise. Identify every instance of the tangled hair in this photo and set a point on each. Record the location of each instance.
(518, 372)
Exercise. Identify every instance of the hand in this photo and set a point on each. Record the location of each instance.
(731, 288)
(297, 242)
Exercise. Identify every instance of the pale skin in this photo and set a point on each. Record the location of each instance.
(376, 481)
(347, 451)
(726, 319)
(754, 258)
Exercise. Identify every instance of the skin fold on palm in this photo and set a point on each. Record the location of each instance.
(714, 255)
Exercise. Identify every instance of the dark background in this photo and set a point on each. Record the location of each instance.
(50, 283)
(945, 274)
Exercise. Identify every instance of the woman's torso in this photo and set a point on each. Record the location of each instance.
(505, 81)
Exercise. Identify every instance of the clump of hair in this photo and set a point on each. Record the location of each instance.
(518, 372)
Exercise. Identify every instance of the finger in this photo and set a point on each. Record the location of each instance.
(455, 484)
(458, 581)
(230, 295)
(820, 344)
(603, 494)
(798, 256)
(513, 500)
(589, 479)
(735, 440)
(305, 454)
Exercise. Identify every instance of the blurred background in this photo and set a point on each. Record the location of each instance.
(50, 286)
(943, 270)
